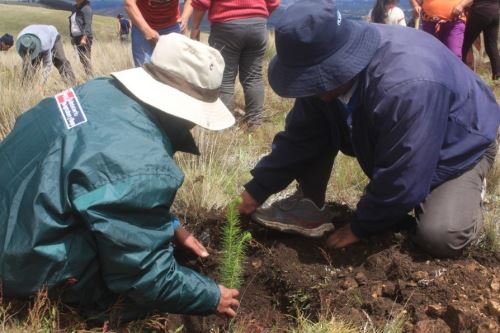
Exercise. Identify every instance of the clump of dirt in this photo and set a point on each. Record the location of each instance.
(371, 281)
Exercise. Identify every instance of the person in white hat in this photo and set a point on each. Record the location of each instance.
(85, 194)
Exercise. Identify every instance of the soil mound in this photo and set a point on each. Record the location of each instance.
(373, 282)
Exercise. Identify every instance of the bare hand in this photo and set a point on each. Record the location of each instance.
(248, 204)
(83, 40)
(228, 302)
(342, 237)
(186, 239)
(183, 22)
(152, 36)
(417, 10)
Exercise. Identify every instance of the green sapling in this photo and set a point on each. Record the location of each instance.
(234, 243)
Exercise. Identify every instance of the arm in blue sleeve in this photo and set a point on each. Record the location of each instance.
(411, 124)
(308, 132)
(133, 231)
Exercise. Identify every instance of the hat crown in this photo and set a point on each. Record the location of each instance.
(308, 32)
(192, 61)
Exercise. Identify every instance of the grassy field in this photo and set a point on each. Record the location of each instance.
(14, 18)
(212, 180)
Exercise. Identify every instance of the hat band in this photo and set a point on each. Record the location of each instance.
(166, 77)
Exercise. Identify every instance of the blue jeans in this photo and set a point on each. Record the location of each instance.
(142, 49)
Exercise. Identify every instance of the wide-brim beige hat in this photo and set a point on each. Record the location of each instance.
(183, 80)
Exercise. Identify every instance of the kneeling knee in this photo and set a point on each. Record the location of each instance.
(442, 242)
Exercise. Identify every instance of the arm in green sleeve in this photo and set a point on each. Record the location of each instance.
(133, 229)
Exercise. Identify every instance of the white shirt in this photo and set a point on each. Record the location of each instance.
(395, 16)
(46, 33)
(75, 29)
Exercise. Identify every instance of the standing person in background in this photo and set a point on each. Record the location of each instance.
(445, 19)
(42, 44)
(239, 31)
(6, 42)
(484, 17)
(123, 28)
(80, 27)
(152, 18)
(388, 12)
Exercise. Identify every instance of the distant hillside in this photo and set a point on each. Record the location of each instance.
(353, 9)
(16, 17)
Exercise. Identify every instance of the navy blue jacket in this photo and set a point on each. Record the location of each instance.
(422, 118)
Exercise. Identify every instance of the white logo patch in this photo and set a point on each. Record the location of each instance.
(70, 108)
(339, 18)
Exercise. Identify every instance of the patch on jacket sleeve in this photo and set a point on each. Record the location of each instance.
(71, 110)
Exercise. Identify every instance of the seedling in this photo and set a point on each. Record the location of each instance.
(234, 243)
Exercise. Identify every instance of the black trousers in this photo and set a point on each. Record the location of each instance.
(84, 53)
(481, 19)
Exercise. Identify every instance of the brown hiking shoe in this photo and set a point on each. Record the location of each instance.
(296, 215)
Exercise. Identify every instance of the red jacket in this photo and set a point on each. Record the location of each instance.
(227, 10)
(159, 14)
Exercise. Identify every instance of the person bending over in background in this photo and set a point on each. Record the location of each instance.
(483, 17)
(85, 194)
(152, 18)
(80, 27)
(239, 31)
(123, 28)
(444, 19)
(42, 44)
(6, 42)
(420, 123)
(388, 12)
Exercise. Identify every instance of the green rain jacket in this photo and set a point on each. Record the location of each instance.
(85, 196)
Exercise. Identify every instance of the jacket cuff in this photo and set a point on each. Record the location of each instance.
(357, 228)
(257, 191)
(216, 297)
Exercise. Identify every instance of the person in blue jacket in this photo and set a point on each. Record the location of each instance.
(420, 123)
(87, 179)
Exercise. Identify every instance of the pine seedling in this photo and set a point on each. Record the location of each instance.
(234, 242)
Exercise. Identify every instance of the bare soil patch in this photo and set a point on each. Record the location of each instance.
(371, 281)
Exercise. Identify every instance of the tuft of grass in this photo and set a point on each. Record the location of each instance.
(396, 323)
(16, 17)
(234, 243)
(323, 325)
(490, 238)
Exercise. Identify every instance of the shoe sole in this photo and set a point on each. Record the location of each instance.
(294, 229)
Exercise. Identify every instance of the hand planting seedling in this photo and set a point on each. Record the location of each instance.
(234, 243)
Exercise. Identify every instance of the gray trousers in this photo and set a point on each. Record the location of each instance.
(242, 44)
(450, 218)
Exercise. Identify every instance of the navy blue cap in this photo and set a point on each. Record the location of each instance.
(7, 39)
(318, 50)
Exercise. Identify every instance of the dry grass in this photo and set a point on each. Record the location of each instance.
(212, 180)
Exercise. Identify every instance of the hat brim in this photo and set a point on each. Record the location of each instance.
(34, 52)
(213, 116)
(331, 73)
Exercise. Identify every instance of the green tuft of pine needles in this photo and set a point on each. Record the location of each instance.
(234, 242)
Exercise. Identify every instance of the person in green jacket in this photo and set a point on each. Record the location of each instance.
(87, 179)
